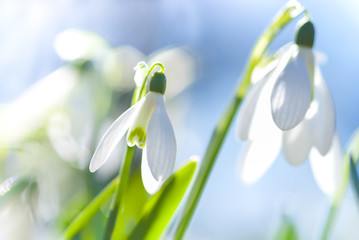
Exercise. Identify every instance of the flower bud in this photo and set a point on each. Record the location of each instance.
(305, 33)
(158, 83)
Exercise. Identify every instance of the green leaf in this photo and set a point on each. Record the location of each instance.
(287, 230)
(162, 205)
(134, 201)
(354, 176)
(84, 217)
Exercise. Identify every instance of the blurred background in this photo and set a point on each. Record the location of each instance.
(66, 72)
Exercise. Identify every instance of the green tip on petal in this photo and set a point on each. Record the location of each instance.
(305, 34)
(137, 135)
(158, 83)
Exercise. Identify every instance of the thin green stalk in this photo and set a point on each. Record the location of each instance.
(330, 221)
(117, 203)
(336, 202)
(141, 92)
(91, 209)
(352, 151)
(220, 132)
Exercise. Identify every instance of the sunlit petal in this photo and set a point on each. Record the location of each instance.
(321, 115)
(327, 169)
(260, 73)
(280, 57)
(297, 143)
(246, 112)
(112, 136)
(161, 142)
(151, 184)
(292, 91)
(261, 125)
(258, 157)
(257, 118)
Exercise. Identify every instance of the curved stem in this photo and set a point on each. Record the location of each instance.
(284, 17)
(140, 92)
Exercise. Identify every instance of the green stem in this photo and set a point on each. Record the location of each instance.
(351, 152)
(125, 170)
(117, 203)
(91, 209)
(329, 222)
(141, 92)
(339, 195)
(285, 16)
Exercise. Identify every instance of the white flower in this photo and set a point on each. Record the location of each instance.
(283, 110)
(147, 126)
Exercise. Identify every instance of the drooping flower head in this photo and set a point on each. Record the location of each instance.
(148, 127)
(290, 106)
(294, 77)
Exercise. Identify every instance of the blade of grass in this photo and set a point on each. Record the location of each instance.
(90, 210)
(162, 205)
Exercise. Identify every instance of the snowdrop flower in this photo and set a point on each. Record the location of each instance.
(291, 107)
(148, 127)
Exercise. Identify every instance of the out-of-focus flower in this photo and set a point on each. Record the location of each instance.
(116, 63)
(290, 106)
(27, 113)
(180, 67)
(74, 44)
(147, 126)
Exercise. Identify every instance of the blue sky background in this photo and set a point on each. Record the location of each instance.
(221, 35)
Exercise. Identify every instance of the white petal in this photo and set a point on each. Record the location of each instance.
(111, 137)
(161, 142)
(151, 184)
(137, 131)
(327, 169)
(260, 73)
(297, 143)
(292, 92)
(246, 112)
(255, 119)
(258, 157)
(321, 115)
